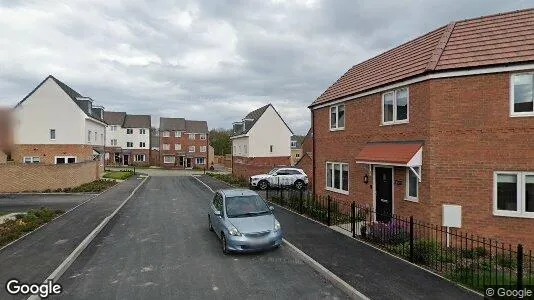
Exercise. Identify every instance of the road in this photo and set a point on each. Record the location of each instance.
(22, 203)
(158, 247)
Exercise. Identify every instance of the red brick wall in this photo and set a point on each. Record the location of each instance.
(48, 152)
(248, 166)
(468, 134)
(305, 163)
(134, 152)
(154, 158)
(16, 177)
(185, 143)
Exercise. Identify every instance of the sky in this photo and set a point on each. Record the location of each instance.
(212, 60)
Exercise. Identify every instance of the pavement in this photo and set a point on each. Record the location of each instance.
(34, 257)
(24, 202)
(374, 273)
(158, 246)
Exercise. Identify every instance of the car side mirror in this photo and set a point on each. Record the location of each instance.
(271, 208)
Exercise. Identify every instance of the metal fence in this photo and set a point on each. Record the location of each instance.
(468, 259)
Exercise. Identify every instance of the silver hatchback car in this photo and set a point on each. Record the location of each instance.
(243, 221)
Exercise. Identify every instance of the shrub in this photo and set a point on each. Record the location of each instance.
(425, 251)
(506, 261)
(120, 175)
(13, 229)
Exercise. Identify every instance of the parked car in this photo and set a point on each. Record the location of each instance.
(243, 221)
(279, 177)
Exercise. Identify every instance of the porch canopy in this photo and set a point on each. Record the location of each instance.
(403, 154)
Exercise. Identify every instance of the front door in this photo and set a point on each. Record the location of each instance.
(188, 162)
(181, 161)
(126, 159)
(384, 194)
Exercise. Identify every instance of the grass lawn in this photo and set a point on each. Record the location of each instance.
(120, 175)
(13, 229)
(228, 178)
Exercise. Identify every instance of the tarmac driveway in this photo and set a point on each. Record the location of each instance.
(20, 203)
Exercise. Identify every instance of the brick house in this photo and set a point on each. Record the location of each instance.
(154, 147)
(127, 139)
(305, 162)
(446, 118)
(6, 134)
(260, 141)
(296, 149)
(183, 143)
(54, 124)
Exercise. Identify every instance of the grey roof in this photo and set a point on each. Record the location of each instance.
(137, 121)
(172, 124)
(70, 92)
(114, 117)
(252, 117)
(196, 126)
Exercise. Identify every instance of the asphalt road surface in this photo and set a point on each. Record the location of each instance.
(159, 247)
(22, 203)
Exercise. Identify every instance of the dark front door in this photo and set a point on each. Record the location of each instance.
(384, 194)
(188, 162)
(126, 160)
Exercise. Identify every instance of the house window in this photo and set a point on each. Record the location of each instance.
(235, 149)
(203, 136)
(166, 134)
(114, 142)
(142, 131)
(412, 186)
(244, 149)
(129, 144)
(203, 149)
(113, 128)
(177, 147)
(32, 159)
(139, 157)
(337, 177)
(65, 160)
(142, 144)
(191, 136)
(191, 148)
(513, 194)
(200, 161)
(169, 159)
(166, 147)
(293, 144)
(89, 136)
(522, 95)
(395, 106)
(129, 131)
(271, 148)
(96, 135)
(52, 134)
(177, 134)
(297, 155)
(337, 117)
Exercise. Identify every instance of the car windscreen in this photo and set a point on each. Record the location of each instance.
(245, 206)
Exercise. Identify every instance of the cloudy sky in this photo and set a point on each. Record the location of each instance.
(211, 60)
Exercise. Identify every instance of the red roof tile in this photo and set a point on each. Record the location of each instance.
(484, 41)
(389, 153)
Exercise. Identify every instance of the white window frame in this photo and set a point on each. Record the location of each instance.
(202, 136)
(337, 127)
(332, 189)
(66, 159)
(297, 155)
(192, 136)
(142, 131)
(521, 196)
(166, 133)
(293, 144)
(512, 112)
(192, 149)
(407, 196)
(166, 147)
(169, 162)
(203, 159)
(177, 147)
(177, 134)
(395, 121)
(32, 159)
(203, 149)
(271, 148)
(112, 128)
(50, 132)
(129, 130)
(89, 136)
(129, 143)
(142, 144)
(136, 157)
(113, 142)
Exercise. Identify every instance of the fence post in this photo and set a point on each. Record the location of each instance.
(353, 218)
(329, 220)
(411, 238)
(520, 267)
(300, 203)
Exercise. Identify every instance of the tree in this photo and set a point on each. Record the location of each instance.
(220, 141)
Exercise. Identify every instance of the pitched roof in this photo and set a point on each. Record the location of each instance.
(114, 117)
(70, 92)
(196, 126)
(490, 40)
(172, 124)
(252, 117)
(137, 121)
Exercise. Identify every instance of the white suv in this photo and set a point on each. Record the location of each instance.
(278, 177)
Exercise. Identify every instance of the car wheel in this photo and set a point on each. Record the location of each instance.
(224, 245)
(299, 184)
(263, 185)
(210, 226)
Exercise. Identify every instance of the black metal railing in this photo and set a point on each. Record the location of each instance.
(468, 259)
